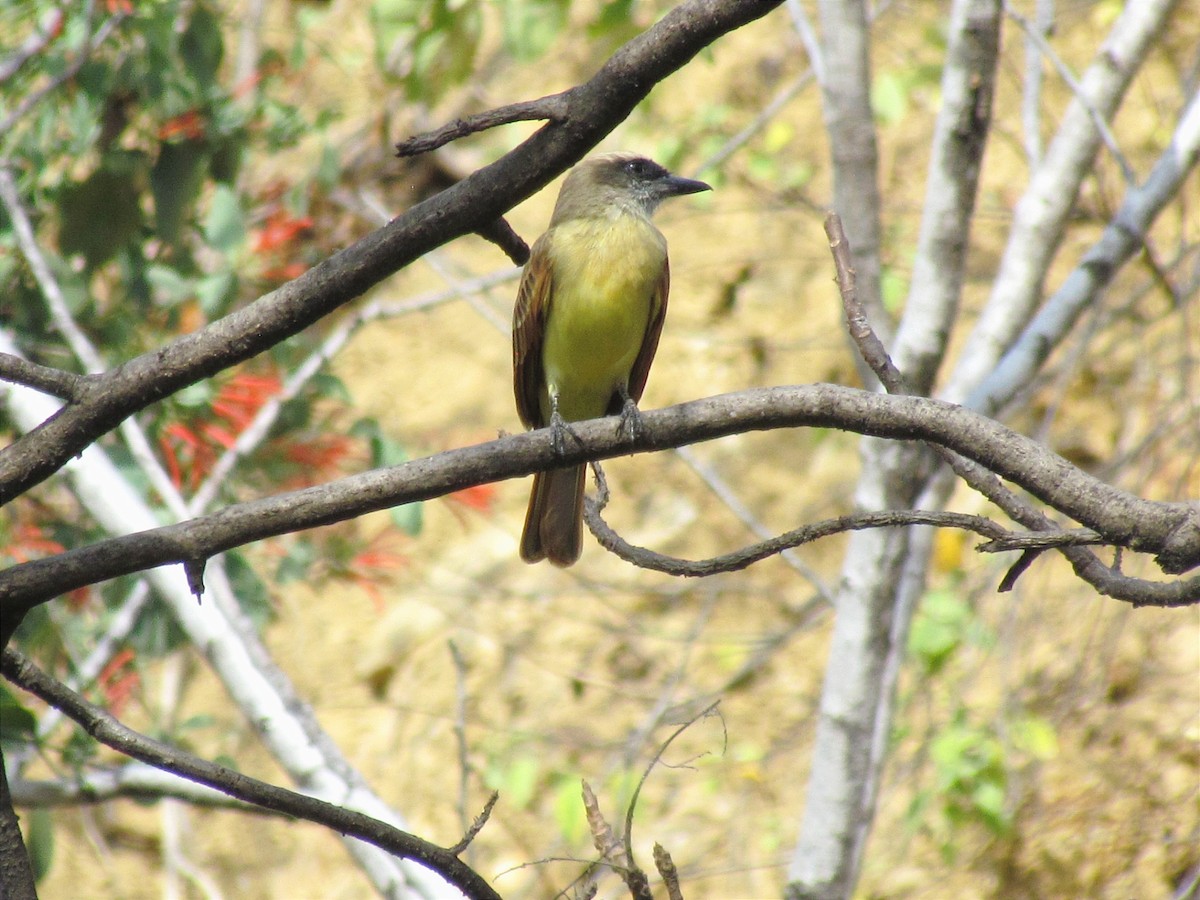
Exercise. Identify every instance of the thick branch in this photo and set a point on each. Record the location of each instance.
(951, 189)
(593, 109)
(16, 873)
(1171, 530)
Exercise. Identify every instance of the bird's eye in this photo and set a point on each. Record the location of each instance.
(640, 168)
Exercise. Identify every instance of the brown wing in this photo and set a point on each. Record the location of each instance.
(658, 312)
(529, 328)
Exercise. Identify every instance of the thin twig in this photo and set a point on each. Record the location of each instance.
(725, 493)
(552, 109)
(477, 825)
(460, 739)
(1031, 95)
(1035, 37)
(1000, 539)
(55, 382)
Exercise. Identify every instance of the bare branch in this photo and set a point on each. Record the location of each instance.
(1170, 530)
(554, 108)
(55, 382)
(476, 825)
(668, 872)
(106, 729)
(999, 539)
(846, 105)
(135, 781)
(1041, 214)
(16, 873)
(951, 188)
(1035, 36)
(614, 852)
(1121, 239)
(978, 477)
(1031, 94)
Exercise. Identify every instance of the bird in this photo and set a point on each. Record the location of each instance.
(586, 323)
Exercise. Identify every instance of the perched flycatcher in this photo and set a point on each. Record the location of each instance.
(589, 312)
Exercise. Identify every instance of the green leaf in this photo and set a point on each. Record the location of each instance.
(889, 98)
(17, 724)
(214, 291)
(296, 564)
(202, 46)
(518, 783)
(250, 590)
(1035, 736)
(331, 387)
(988, 800)
(408, 518)
(329, 169)
(225, 226)
(569, 812)
(102, 213)
(226, 158)
(615, 23)
(938, 630)
(530, 27)
(195, 396)
(156, 633)
(894, 287)
(170, 287)
(175, 181)
(41, 842)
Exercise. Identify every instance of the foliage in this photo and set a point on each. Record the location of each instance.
(133, 172)
(975, 755)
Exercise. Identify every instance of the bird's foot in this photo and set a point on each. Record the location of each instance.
(559, 429)
(630, 424)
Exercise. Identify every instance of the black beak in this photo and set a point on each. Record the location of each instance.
(675, 186)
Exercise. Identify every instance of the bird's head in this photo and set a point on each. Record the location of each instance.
(620, 182)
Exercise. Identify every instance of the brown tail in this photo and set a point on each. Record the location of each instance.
(554, 522)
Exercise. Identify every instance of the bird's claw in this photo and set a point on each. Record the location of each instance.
(630, 424)
(558, 433)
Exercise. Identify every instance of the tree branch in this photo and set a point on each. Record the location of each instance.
(135, 781)
(951, 189)
(106, 729)
(16, 873)
(593, 110)
(1170, 530)
(55, 382)
(554, 108)
(1121, 239)
(1000, 539)
(1041, 214)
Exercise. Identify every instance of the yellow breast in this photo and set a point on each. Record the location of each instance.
(606, 272)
